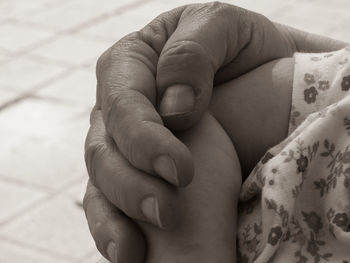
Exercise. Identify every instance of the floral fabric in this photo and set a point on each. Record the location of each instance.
(295, 205)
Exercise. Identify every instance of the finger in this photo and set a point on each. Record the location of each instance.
(212, 40)
(117, 237)
(183, 49)
(127, 101)
(137, 194)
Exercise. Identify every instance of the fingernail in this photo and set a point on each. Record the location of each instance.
(165, 167)
(112, 252)
(150, 209)
(177, 99)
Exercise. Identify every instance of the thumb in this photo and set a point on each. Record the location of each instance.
(189, 60)
(211, 40)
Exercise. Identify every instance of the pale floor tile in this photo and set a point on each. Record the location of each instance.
(265, 7)
(25, 73)
(37, 119)
(108, 5)
(8, 94)
(43, 162)
(77, 87)
(42, 119)
(18, 8)
(314, 19)
(340, 32)
(44, 142)
(120, 25)
(14, 198)
(58, 226)
(117, 26)
(59, 18)
(335, 4)
(168, 5)
(15, 36)
(136, 18)
(74, 13)
(316, 16)
(4, 56)
(71, 49)
(12, 253)
(176, 3)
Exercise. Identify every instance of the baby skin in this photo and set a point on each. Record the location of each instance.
(247, 116)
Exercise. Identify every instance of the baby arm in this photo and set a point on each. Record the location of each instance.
(254, 109)
(206, 209)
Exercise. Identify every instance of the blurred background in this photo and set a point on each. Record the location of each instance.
(48, 51)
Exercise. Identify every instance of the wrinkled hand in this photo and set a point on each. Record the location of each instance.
(158, 78)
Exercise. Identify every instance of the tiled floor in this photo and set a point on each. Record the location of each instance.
(48, 50)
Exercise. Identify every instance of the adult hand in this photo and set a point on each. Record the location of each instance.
(168, 67)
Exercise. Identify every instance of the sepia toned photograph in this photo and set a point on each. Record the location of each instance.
(158, 131)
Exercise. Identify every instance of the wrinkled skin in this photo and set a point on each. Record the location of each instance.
(157, 80)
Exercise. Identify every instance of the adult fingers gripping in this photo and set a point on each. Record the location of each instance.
(212, 43)
(127, 95)
(127, 101)
(116, 236)
(172, 64)
(138, 195)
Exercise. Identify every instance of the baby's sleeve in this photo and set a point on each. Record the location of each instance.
(320, 79)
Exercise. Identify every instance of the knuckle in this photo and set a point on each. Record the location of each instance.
(93, 152)
(208, 11)
(121, 103)
(118, 196)
(91, 194)
(190, 51)
(120, 97)
(131, 145)
(118, 49)
(125, 44)
(141, 139)
(184, 47)
(217, 5)
(95, 199)
(102, 62)
(162, 142)
(217, 9)
(117, 98)
(99, 227)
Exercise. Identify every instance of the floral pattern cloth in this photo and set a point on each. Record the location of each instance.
(295, 205)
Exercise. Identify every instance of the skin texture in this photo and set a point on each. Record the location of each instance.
(254, 109)
(255, 114)
(206, 209)
(145, 72)
(255, 95)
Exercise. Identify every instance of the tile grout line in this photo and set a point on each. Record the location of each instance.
(23, 183)
(74, 29)
(45, 198)
(101, 17)
(53, 254)
(28, 93)
(35, 204)
(71, 68)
